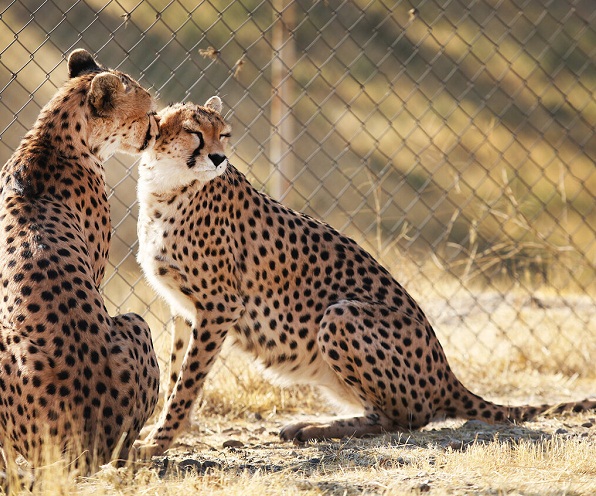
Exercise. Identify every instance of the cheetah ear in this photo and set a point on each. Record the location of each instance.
(214, 103)
(79, 62)
(103, 91)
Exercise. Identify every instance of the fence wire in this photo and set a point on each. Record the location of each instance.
(454, 139)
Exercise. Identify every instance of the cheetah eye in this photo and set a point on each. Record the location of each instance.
(199, 134)
(225, 135)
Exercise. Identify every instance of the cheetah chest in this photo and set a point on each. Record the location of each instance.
(159, 265)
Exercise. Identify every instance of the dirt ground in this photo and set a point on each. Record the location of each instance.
(407, 462)
(232, 446)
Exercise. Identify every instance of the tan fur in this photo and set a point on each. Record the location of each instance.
(307, 302)
(70, 374)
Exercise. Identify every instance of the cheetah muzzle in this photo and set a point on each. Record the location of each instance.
(307, 302)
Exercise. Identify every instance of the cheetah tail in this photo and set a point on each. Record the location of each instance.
(529, 412)
(471, 406)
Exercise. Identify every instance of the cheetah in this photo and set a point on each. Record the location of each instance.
(71, 376)
(306, 301)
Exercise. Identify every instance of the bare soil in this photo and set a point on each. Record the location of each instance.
(360, 466)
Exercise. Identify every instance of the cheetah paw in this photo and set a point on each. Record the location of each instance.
(144, 449)
(301, 431)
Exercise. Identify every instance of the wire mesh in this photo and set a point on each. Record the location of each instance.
(454, 140)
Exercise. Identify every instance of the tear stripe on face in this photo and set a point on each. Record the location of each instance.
(193, 157)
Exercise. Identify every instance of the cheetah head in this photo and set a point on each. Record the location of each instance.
(121, 113)
(190, 147)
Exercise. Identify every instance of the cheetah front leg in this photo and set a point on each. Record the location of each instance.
(204, 346)
(181, 333)
(376, 352)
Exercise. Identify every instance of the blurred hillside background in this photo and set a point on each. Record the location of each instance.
(454, 139)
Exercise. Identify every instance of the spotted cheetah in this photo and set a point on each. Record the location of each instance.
(71, 376)
(306, 301)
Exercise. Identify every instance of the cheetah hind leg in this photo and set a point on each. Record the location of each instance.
(358, 342)
(369, 424)
(135, 365)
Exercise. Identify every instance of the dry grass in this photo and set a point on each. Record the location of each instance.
(455, 459)
(515, 347)
(550, 456)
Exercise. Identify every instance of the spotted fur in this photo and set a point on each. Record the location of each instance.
(306, 301)
(70, 374)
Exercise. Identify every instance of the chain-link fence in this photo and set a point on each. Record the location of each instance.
(454, 139)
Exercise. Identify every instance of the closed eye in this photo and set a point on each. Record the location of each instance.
(199, 134)
(225, 135)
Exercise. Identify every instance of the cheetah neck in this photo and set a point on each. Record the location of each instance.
(157, 182)
(63, 120)
(58, 139)
(157, 203)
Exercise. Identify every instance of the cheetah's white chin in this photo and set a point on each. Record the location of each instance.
(206, 175)
(160, 176)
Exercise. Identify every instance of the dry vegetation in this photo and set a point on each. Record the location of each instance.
(480, 170)
(508, 346)
(232, 445)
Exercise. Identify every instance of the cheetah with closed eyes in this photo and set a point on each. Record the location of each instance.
(71, 376)
(306, 301)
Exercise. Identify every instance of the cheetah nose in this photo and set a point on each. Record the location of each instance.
(216, 158)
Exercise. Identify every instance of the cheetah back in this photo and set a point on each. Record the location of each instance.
(70, 373)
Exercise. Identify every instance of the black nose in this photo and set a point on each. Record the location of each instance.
(216, 158)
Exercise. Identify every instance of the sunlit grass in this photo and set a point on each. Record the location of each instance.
(236, 398)
(384, 466)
